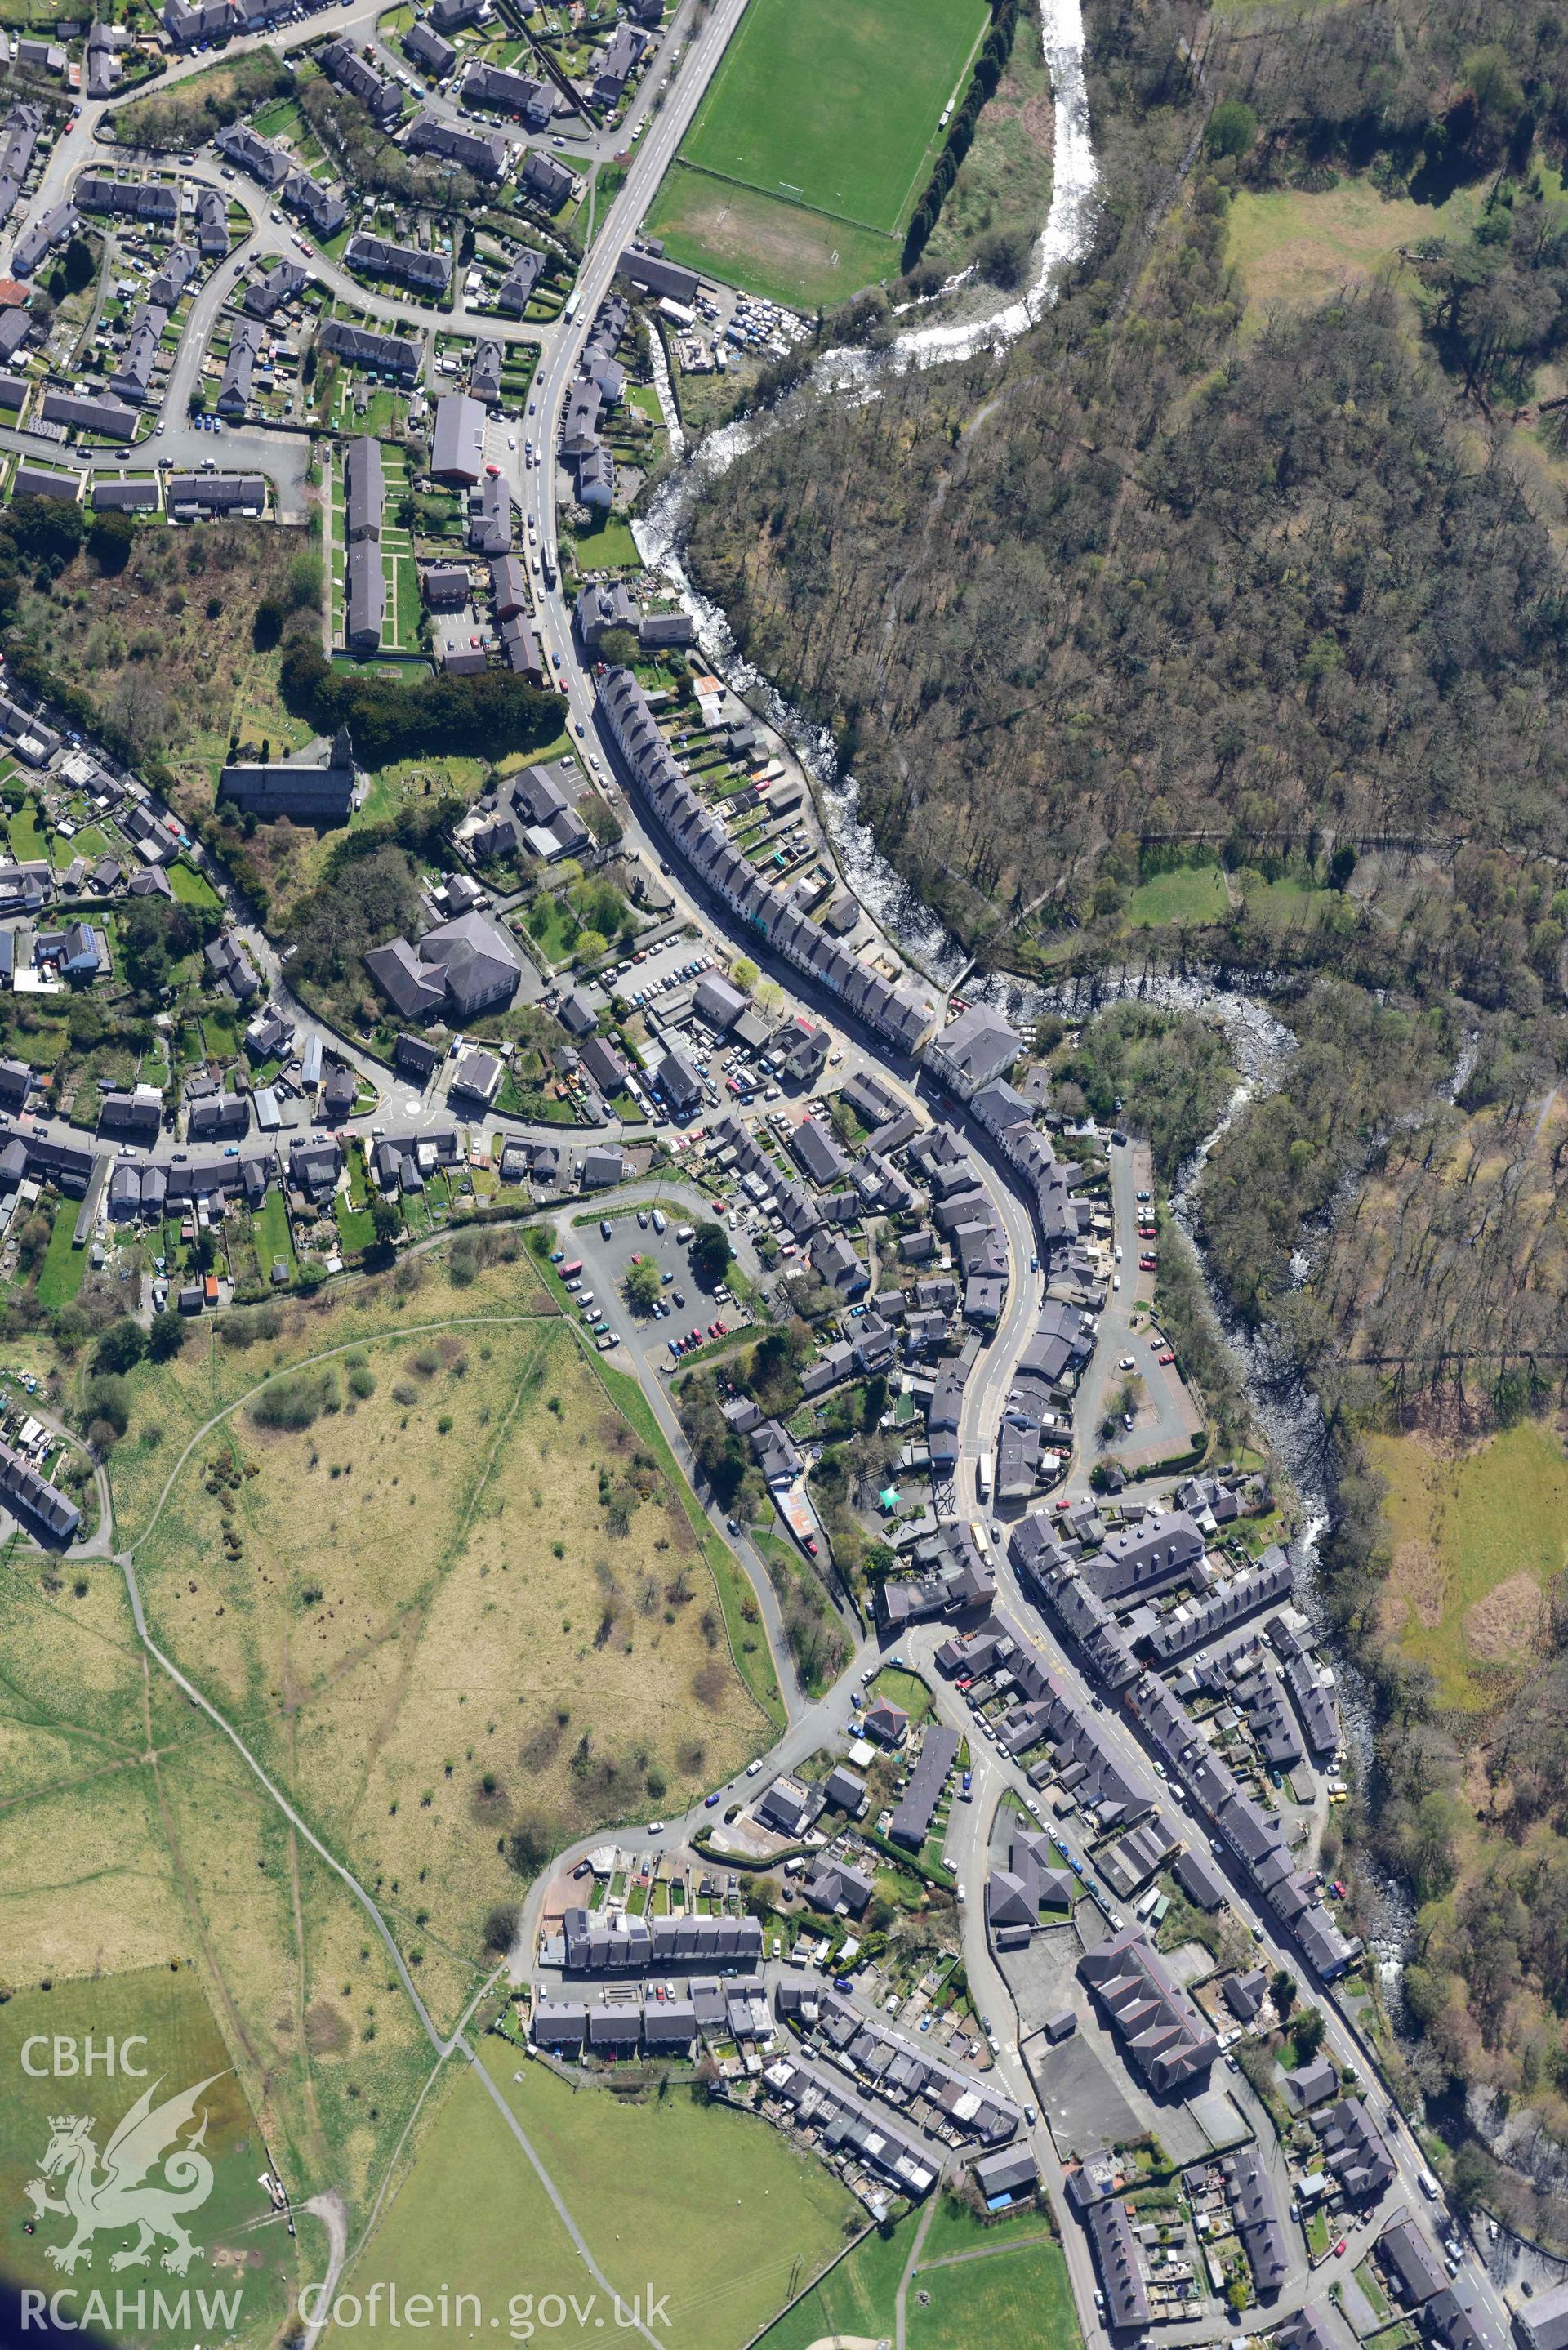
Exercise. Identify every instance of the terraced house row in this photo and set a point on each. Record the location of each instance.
(700, 835)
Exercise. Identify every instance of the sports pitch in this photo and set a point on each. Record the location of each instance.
(833, 111)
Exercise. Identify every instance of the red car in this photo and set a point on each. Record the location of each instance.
(811, 1546)
(1169, 1356)
(696, 1335)
(1339, 2248)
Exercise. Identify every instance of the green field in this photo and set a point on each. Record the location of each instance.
(1293, 247)
(906, 1689)
(237, 2251)
(191, 887)
(60, 1275)
(26, 833)
(1189, 893)
(954, 2227)
(608, 546)
(1476, 1538)
(733, 2209)
(777, 250)
(855, 2298)
(837, 105)
(674, 2196)
(803, 160)
(1008, 2300)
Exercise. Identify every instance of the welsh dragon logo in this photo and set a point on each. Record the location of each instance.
(113, 2192)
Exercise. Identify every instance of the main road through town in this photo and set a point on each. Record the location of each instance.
(987, 1388)
(664, 118)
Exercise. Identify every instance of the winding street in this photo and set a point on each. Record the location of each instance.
(811, 1723)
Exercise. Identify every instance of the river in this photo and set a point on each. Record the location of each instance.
(1260, 1047)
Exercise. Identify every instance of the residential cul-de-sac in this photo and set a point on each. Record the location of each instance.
(489, 1211)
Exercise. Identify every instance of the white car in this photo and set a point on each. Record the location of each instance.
(1127, 1363)
(655, 1827)
(511, 440)
(754, 1767)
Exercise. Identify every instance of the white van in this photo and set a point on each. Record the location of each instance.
(659, 1224)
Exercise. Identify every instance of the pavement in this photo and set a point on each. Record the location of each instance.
(811, 1723)
(285, 456)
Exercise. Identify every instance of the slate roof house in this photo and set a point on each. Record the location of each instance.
(705, 841)
(635, 1945)
(405, 265)
(1354, 2150)
(265, 163)
(835, 1887)
(266, 294)
(215, 494)
(459, 969)
(457, 448)
(490, 517)
(365, 585)
(1258, 2223)
(1146, 1558)
(390, 355)
(425, 49)
(1115, 2246)
(341, 61)
(132, 379)
(483, 153)
(1165, 2036)
(484, 376)
(916, 1808)
(223, 1118)
(542, 177)
(230, 967)
(180, 266)
(515, 289)
(325, 210)
(533, 102)
(788, 1807)
(1543, 2324)
(618, 63)
(973, 1049)
(239, 369)
(29, 1495)
(90, 412)
(315, 786)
